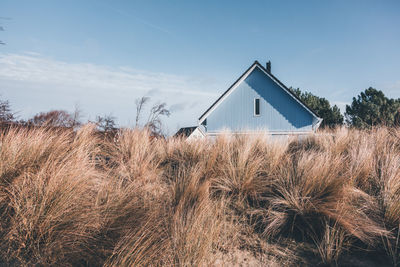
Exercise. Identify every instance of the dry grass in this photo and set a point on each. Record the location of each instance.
(77, 199)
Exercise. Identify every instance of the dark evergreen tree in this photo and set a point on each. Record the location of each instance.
(330, 114)
(372, 108)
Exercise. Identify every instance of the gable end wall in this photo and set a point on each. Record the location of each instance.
(280, 112)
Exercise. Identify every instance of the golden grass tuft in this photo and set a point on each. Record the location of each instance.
(77, 199)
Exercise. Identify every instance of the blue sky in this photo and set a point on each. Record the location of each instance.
(102, 55)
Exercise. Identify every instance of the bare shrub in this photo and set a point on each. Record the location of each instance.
(56, 118)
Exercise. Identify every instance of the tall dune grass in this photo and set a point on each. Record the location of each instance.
(79, 199)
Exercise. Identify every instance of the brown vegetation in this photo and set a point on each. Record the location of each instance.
(79, 199)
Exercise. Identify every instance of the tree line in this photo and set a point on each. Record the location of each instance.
(104, 123)
(370, 108)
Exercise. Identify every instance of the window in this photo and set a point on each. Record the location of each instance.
(256, 107)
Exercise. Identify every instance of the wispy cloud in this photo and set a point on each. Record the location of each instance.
(138, 19)
(37, 69)
(35, 83)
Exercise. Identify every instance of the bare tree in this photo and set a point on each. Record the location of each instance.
(54, 118)
(6, 115)
(153, 123)
(106, 123)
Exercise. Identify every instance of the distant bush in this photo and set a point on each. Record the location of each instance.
(56, 118)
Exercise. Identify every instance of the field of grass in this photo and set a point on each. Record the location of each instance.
(79, 199)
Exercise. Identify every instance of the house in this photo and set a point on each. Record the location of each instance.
(255, 102)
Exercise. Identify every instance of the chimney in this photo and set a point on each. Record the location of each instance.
(268, 66)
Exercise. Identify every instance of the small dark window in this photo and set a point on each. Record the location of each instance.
(204, 123)
(257, 107)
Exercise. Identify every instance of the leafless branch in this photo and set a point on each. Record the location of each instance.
(153, 123)
(140, 103)
(106, 123)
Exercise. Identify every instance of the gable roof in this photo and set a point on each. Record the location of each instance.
(243, 77)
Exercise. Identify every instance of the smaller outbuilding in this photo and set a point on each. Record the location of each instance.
(190, 133)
